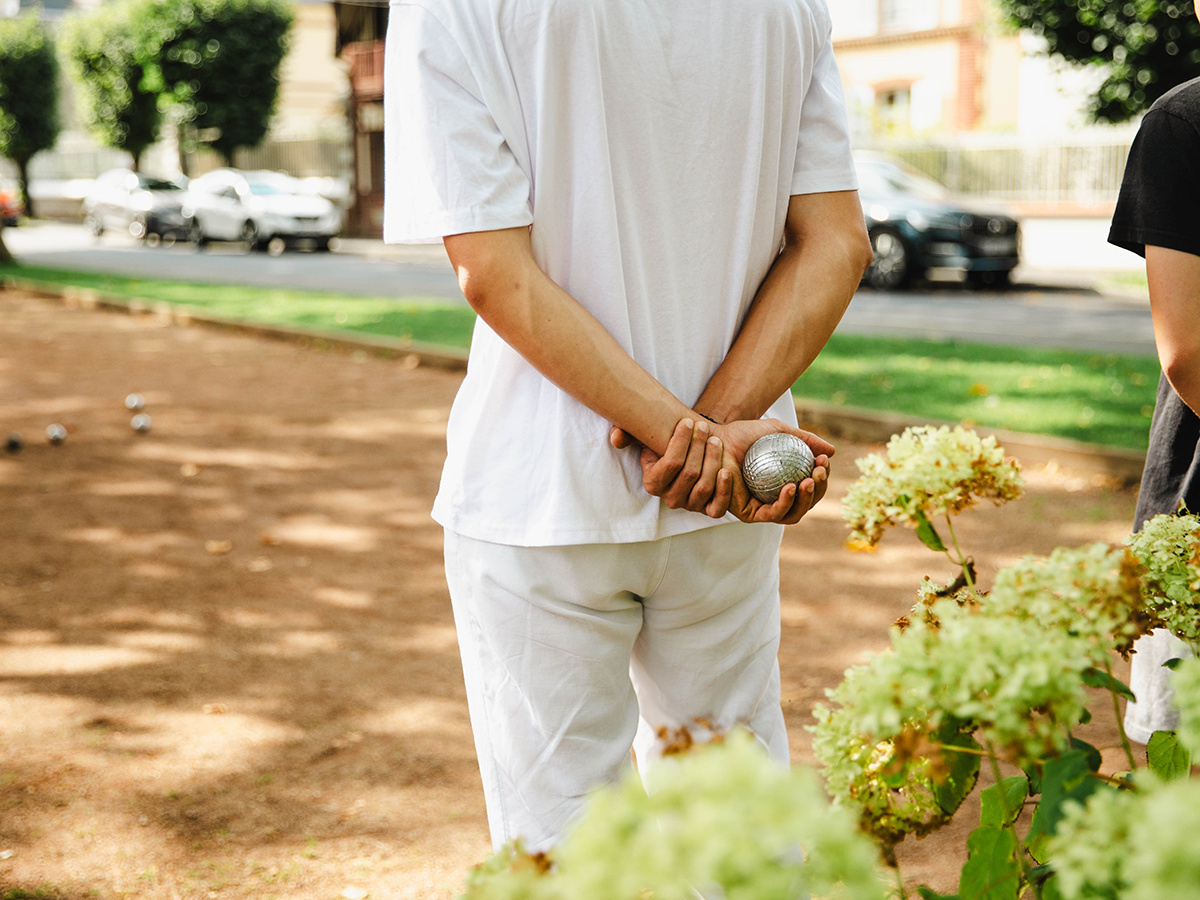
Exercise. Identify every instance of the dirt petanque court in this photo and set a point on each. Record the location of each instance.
(227, 661)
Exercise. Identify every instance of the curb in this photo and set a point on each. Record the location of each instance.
(826, 419)
(874, 426)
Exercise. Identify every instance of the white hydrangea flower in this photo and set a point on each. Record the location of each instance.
(1163, 862)
(1169, 547)
(1089, 849)
(1092, 591)
(927, 472)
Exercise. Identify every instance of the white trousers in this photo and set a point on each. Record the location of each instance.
(572, 655)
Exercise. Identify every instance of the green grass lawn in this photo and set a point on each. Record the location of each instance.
(1094, 397)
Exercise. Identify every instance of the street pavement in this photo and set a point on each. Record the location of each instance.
(1059, 297)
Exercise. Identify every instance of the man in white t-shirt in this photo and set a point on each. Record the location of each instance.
(613, 182)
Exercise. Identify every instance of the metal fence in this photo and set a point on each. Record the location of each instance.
(1071, 172)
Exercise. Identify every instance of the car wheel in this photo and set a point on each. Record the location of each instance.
(249, 236)
(93, 225)
(323, 245)
(994, 280)
(892, 265)
(196, 234)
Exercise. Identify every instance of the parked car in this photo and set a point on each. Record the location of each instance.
(916, 226)
(140, 205)
(258, 208)
(11, 207)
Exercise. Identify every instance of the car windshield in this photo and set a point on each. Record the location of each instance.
(875, 178)
(159, 184)
(265, 189)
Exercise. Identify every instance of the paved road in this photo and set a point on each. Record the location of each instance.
(1045, 307)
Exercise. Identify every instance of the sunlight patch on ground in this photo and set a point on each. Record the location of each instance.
(76, 659)
(154, 542)
(252, 618)
(372, 426)
(343, 597)
(294, 644)
(238, 458)
(160, 640)
(424, 716)
(156, 571)
(432, 638)
(318, 531)
(132, 489)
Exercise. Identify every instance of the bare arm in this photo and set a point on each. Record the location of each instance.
(799, 304)
(1174, 279)
(565, 343)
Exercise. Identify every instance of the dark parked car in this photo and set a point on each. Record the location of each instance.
(915, 227)
(145, 207)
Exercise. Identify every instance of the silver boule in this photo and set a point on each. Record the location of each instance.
(140, 422)
(134, 402)
(773, 461)
(56, 433)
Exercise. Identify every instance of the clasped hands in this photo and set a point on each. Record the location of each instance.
(701, 470)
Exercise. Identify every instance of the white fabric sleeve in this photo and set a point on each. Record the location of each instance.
(448, 168)
(823, 155)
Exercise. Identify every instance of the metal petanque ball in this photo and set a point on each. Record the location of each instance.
(13, 443)
(140, 423)
(135, 402)
(773, 461)
(56, 433)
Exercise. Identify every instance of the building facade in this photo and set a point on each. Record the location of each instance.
(919, 67)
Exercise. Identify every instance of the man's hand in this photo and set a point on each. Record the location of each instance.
(701, 471)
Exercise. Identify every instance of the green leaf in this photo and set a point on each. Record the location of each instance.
(930, 894)
(1066, 777)
(1001, 803)
(1098, 678)
(1094, 759)
(1034, 773)
(1173, 663)
(963, 769)
(1086, 717)
(927, 533)
(1167, 758)
(992, 871)
(1045, 885)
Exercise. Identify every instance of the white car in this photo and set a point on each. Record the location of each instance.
(259, 209)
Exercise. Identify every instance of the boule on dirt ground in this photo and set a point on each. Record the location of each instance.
(228, 666)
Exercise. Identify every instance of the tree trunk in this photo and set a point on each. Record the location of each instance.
(6, 258)
(23, 180)
(137, 161)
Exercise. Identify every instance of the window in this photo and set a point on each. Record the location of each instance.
(908, 15)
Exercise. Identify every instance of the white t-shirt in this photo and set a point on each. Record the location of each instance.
(653, 145)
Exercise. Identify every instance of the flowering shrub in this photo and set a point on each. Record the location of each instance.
(971, 677)
(927, 472)
(723, 819)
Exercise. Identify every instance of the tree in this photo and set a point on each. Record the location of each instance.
(29, 120)
(1149, 46)
(108, 69)
(218, 61)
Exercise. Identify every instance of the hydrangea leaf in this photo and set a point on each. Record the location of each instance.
(962, 770)
(1001, 803)
(1173, 663)
(992, 871)
(927, 533)
(1067, 777)
(1167, 757)
(1098, 678)
(930, 894)
(1094, 758)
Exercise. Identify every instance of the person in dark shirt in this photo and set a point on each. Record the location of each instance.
(1158, 217)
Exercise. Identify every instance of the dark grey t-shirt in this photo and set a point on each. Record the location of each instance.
(1159, 205)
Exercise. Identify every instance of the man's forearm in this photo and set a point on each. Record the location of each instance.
(798, 306)
(559, 337)
(1174, 279)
